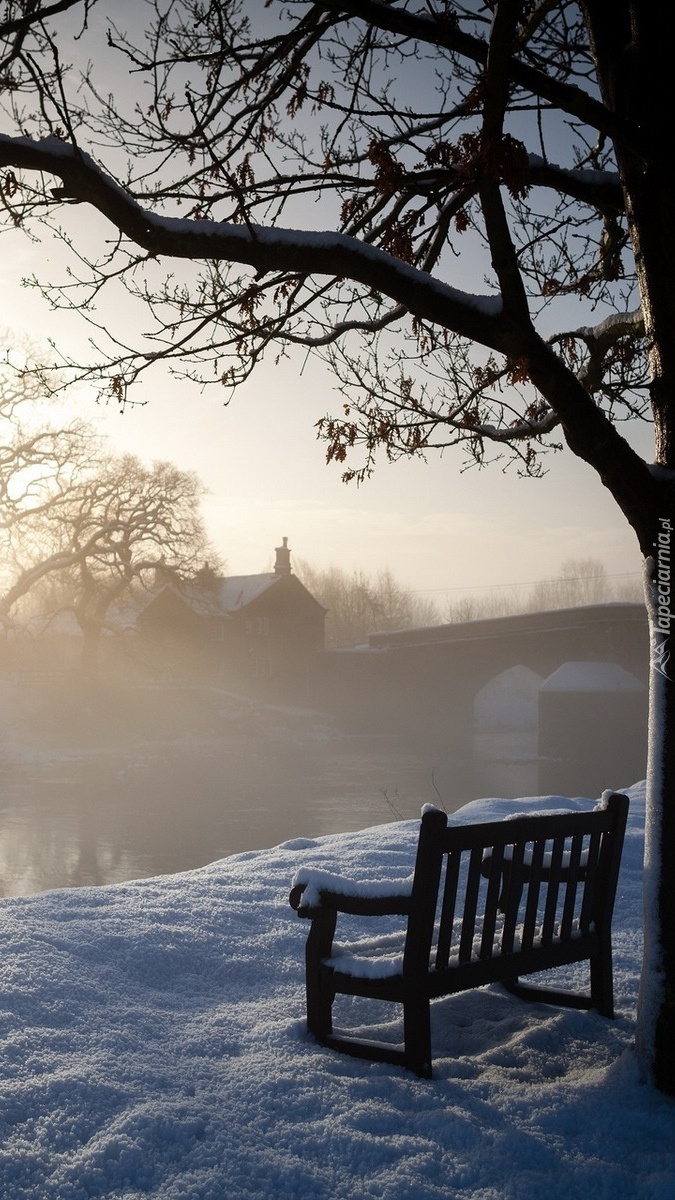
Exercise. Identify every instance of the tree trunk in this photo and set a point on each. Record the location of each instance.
(90, 646)
(633, 64)
(656, 1007)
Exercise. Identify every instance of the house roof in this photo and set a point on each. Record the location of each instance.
(224, 597)
(237, 591)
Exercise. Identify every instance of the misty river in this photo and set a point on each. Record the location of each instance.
(96, 809)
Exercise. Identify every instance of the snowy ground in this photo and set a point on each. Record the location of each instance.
(153, 1045)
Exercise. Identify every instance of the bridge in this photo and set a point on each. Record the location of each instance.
(424, 682)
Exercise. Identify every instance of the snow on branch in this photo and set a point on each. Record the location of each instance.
(599, 340)
(263, 248)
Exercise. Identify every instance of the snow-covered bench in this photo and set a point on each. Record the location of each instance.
(486, 903)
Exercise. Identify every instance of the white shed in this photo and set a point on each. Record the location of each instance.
(592, 729)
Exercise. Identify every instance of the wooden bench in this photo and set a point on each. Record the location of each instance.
(486, 903)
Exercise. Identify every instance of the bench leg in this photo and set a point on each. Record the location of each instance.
(602, 984)
(320, 999)
(417, 1035)
(320, 995)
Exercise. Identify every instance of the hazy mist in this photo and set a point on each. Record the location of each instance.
(122, 778)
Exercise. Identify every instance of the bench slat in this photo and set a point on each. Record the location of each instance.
(592, 867)
(513, 896)
(533, 889)
(573, 871)
(449, 902)
(491, 907)
(470, 911)
(552, 891)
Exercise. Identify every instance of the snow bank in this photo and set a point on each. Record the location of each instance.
(153, 1045)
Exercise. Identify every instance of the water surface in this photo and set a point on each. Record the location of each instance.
(104, 795)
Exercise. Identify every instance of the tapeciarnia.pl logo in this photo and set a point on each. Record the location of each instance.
(664, 613)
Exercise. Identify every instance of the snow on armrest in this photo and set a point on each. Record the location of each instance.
(315, 883)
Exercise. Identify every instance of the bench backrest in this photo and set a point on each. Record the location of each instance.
(513, 886)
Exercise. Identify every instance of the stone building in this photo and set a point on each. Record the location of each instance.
(260, 633)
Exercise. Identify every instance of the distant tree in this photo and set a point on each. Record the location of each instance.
(359, 604)
(476, 606)
(78, 526)
(126, 521)
(43, 461)
(515, 147)
(581, 581)
(628, 589)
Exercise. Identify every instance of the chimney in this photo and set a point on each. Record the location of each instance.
(162, 575)
(206, 578)
(283, 564)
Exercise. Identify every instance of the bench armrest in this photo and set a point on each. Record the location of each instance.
(315, 891)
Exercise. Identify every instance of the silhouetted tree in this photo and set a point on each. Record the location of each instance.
(43, 461)
(128, 520)
(580, 581)
(78, 526)
(490, 262)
